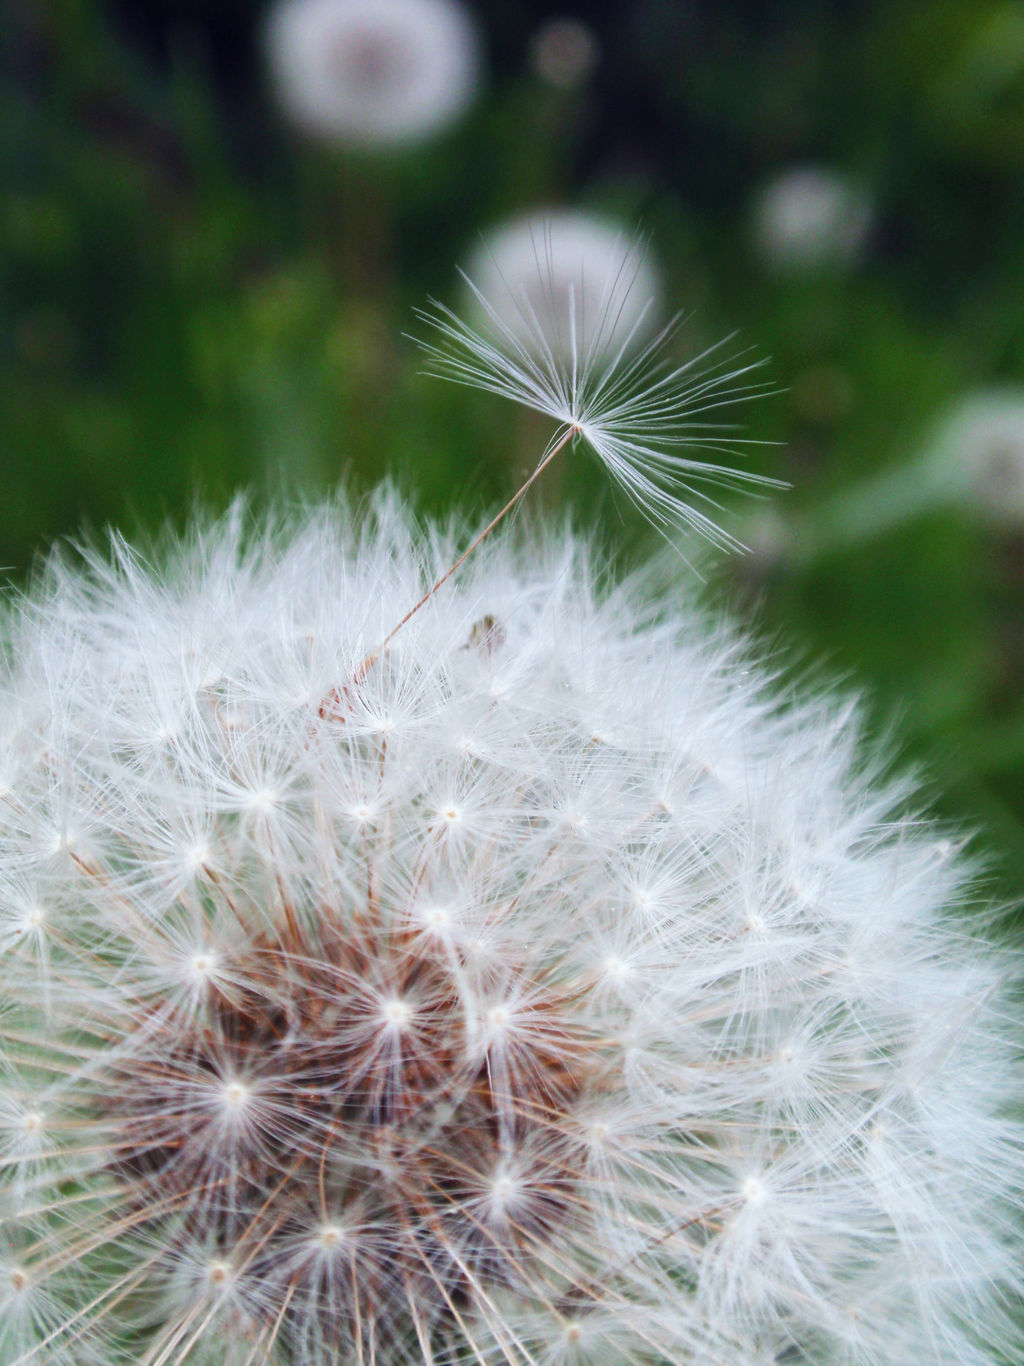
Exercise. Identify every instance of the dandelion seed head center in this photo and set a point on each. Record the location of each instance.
(371, 61)
(219, 1272)
(18, 1278)
(395, 1138)
(437, 918)
(236, 1095)
(203, 964)
(397, 1013)
(615, 967)
(330, 1236)
(503, 1188)
(198, 855)
(753, 1191)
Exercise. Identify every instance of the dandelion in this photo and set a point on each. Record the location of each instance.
(971, 459)
(472, 1011)
(564, 310)
(564, 53)
(810, 217)
(978, 452)
(373, 73)
(563, 282)
(522, 983)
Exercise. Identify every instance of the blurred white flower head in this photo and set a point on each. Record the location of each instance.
(979, 451)
(543, 991)
(811, 217)
(373, 73)
(567, 282)
(564, 52)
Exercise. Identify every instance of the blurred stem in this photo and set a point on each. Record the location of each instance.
(897, 495)
(363, 232)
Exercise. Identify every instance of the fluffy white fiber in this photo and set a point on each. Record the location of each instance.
(539, 990)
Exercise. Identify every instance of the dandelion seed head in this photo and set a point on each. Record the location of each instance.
(564, 283)
(564, 52)
(978, 451)
(374, 74)
(370, 1092)
(810, 218)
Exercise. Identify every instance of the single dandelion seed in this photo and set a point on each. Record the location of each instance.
(543, 347)
(564, 337)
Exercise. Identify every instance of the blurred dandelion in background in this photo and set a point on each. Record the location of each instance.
(561, 322)
(565, 281)
(978, 450)
(971, 461)
(564, 52)
(373, 73)
(810, 218)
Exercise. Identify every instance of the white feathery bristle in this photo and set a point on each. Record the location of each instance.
(564, 307)
(539, 990)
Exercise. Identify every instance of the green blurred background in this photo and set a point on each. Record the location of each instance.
(197, 298)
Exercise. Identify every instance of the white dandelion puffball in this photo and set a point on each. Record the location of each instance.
(566, 281)
(537, 989)
(979, 451)
(564, 53)
(374, 73)
(810, 217)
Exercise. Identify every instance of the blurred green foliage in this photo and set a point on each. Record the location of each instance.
(195, 300)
